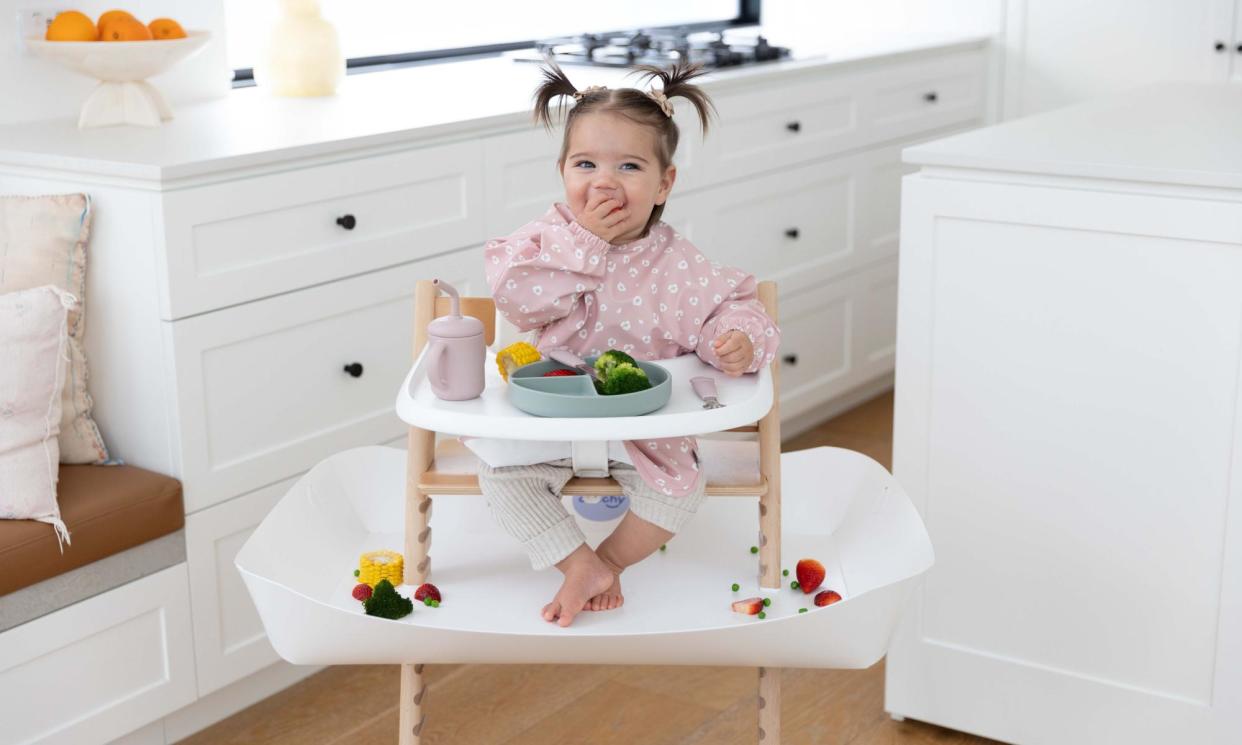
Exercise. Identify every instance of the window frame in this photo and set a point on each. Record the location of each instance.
(747, 15)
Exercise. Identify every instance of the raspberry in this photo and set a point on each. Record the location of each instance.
(362, 592)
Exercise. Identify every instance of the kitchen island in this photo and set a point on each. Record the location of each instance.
(1068, 415)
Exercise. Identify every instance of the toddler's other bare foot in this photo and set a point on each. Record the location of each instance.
(608, 599)
(585, 577)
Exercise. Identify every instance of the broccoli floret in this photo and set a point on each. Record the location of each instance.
(624, 378)
(386, 602)
(606, 361)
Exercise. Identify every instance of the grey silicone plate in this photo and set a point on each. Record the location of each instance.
(575, 396)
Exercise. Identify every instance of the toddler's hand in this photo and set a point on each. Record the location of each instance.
(599, 217)
(735, 352)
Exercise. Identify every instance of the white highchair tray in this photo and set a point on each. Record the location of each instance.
(747, 398)
(838, 506)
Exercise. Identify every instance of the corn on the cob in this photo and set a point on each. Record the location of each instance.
(376, 565)
(514, 356)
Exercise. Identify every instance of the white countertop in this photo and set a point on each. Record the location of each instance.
(1181, 133)
(251, 128)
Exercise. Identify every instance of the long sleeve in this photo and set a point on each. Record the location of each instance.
(540, 273)
(741, 310)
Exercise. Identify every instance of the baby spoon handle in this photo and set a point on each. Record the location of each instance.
(566, 357)
(705, 388)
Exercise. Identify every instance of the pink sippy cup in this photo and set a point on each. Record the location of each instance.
(455, 352)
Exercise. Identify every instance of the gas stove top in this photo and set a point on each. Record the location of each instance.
(662, 47)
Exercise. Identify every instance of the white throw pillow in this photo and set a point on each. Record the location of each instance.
(43, 242)
(35, 338)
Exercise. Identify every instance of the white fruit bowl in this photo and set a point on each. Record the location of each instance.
(122, 67)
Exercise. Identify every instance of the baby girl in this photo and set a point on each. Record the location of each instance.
(601, 271)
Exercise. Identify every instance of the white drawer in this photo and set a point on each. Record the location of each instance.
(101, 668)
(521, 180)
(768, 127)
(262, 390)
(795, 227)
(229, 640)
(816, 355)
(904, 100)
(875, 338)
(252, 238)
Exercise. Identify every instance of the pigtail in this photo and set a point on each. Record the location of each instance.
(555, 83)
(676, 82)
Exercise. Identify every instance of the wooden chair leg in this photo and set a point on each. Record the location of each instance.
(770, 705)
(420, 454)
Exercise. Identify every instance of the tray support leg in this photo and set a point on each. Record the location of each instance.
(410, 718)
(770, 531)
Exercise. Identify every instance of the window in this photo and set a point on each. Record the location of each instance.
(384, 31)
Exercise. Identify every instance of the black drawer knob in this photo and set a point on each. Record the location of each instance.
(354, 369)
(790, 359)
(347, 221)
(1240, 49)
(792, 233)
(930, 97)
(794, 126)
(1220, 46)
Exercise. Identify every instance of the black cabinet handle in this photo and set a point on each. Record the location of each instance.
(930, 97)
(1220, 46)
(790, 359)
(347, 221)
(1240, 49)
(354, 369)
(794, 126)
(791, 233)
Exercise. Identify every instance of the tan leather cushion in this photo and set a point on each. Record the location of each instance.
(107, 510)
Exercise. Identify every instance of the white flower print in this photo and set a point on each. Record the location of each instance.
(682, 264)
(552, 339)
(647, 339)
(625, 259)
(556, 301)
(582, 334)
(545, 257)
(673, 288)
(703, 281)
(694, 299)
(511, 284)
(579, 287)
(663, 308)
(495, 259)
(523, 309)
(620, 287)
(633, 271)
(537, 289)
(695, 322)
(716, 299)
(598, 327)
(732, 282)
(699, 258)
(769, 331)
(652, 445)
(556, 248)
(504, 301)
(646, 262)
(578, 253)
(654, 288)
(509, 250)
(627, 348)
(625, 325)
(603, 307)
(594, 260)
(638, 300)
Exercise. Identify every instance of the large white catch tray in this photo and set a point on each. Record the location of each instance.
(838, 506)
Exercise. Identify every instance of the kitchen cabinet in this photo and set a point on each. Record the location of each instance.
(1059, 52)
(1068, 402)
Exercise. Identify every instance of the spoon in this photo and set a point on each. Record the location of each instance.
(566, 357)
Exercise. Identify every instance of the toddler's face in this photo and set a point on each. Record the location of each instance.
(609, 155)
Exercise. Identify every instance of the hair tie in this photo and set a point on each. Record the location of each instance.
(578, 95)
(661, 100)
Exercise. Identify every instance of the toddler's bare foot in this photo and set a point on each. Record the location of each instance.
(608, 599)
(585, 577)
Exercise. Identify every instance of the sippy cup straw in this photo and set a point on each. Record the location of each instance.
(452, 293)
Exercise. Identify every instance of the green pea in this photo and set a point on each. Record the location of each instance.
(802, 610)
(736, 587)
(762, 614)
(435, 603)
(427, 601)
(785, 572)
(663, 547)
(356, 572)
(794, 585)
(754, 549)
(767, 602)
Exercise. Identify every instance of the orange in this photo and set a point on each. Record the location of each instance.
(112, 16)
(166, 28)
(125, 30)
(71, 26)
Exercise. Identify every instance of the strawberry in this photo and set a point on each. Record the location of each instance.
(827, 597)
(362, 592)
(427, 590)
(810, 575)
(749, 606)
(558, 373)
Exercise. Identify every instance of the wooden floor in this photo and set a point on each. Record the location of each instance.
(601, 705)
